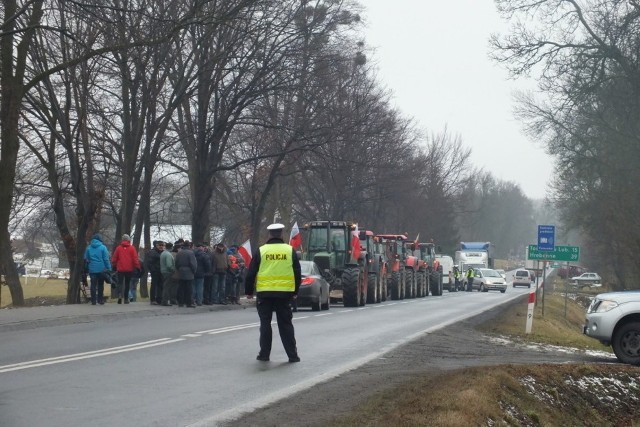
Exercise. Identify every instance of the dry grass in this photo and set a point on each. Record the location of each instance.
(517, 395)
(36, 288)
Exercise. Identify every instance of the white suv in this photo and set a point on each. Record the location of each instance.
(613, 318)
(522, 278)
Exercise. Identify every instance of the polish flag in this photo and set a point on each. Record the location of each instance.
(245, 252)
(296, 238)
(355, 243)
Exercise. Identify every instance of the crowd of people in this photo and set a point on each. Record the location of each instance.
(181, 273)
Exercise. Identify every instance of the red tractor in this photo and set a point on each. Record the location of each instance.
(402, 265)
(420, 270)
(433, 268)
(374, 265)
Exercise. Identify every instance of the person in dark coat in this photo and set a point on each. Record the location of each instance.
(274, 276)
(186, 266)
(207, 292)
(204, 266)
(152, 265)
(220, 274)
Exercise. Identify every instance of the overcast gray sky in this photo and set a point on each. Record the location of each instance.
(433, 55)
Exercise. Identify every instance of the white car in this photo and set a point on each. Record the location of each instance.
(502, 273)
(522, 278)
(586, 280)
(613, 318)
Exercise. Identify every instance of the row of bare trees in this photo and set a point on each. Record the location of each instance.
(584, 55)
(239, 110)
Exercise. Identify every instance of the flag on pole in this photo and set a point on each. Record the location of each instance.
(245, 252)
(295, 239)
(355, 243)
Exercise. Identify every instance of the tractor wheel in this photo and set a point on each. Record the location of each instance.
(395, 285)
(403, 283)
(383, 288)
(422, 284)
(350, 292)
(372, 289)
(436, 286)
(410, 279)
(363, 288)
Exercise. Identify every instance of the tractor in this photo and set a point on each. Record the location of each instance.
(419, 267)
(401, 266)
(434, 270)
(331, 245)
(375, 266)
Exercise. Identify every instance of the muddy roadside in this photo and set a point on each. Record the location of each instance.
(455, 347)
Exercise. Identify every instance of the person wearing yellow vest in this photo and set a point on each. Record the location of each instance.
(274, 276)
(470, 275)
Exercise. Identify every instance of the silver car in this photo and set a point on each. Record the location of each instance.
(488, 279)
(613, 318)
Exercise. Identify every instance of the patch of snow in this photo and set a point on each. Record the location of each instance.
(506, 341)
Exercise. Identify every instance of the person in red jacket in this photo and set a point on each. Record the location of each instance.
(125, 260)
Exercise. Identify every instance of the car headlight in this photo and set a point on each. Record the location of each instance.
(603, 306)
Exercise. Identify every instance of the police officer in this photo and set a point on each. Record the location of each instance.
(456, 276)
(274, 276)
(470, 275)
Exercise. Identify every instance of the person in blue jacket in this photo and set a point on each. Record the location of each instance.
(96, 258)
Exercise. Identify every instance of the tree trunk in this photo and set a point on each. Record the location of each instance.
(200, 224)
(9, 112)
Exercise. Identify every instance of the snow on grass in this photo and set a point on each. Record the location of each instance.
(506, 341)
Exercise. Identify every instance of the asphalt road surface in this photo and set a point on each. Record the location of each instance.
(195, 368)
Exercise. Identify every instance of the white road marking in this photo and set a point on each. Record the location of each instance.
(228, 328)
(87, 355)
(162, 341)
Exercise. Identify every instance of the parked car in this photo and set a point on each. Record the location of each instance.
(613, 318)
(487, 279)
(314, 289)
(521, 277)
(586, 280)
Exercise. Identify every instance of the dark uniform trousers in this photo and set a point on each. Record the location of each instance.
(266, 307)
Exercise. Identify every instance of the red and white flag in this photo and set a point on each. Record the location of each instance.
(245, 252)
(295, 239)
(355, 243)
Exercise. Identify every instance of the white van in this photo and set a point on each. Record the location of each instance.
(447, 271)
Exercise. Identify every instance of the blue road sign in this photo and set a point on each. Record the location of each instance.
(546, 237)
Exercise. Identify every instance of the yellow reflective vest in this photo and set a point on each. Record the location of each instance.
(276, 269)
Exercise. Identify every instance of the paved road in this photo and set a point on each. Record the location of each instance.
(140, 365)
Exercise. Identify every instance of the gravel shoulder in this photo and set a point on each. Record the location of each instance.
(455, 347)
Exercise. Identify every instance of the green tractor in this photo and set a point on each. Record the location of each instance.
(332, 246)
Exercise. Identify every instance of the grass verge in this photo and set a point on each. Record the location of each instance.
(517, 395)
